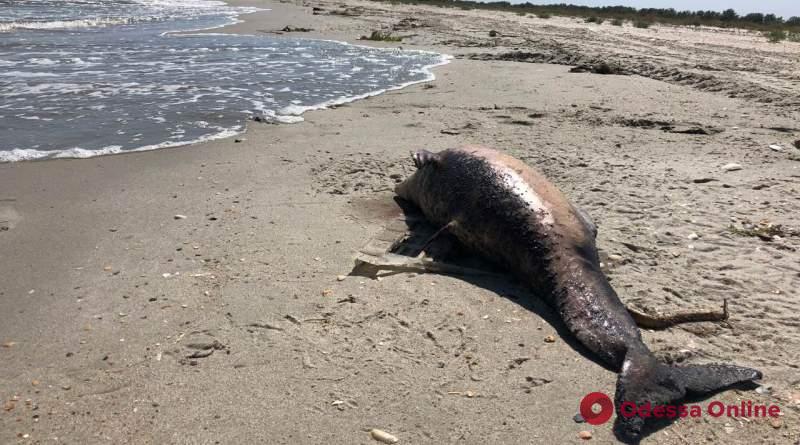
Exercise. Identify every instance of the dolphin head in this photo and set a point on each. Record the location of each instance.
(415, 186)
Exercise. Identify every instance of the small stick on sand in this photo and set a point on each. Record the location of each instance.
(371, 265)
(663, 320)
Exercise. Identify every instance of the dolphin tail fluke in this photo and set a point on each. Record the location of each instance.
(702, 379)
(644, 380)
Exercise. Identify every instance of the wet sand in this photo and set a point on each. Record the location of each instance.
(120, 323)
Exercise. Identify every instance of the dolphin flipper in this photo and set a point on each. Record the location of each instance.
(586, 220)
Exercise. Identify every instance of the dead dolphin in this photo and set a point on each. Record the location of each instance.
(507, 211)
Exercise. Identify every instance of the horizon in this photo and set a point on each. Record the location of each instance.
(783, 8)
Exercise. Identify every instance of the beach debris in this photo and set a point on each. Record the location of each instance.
(764, 230)
(585, 435)
(775, 147)
(796, 144)
(399, 248)
(453, 131)
(616, 258)
(383, 436)
(341, 277)
(381, 36)
(410, 23)
(549, 339)
(327, 292)
(598, 68)
(267, 326)
(578, 418)
(9, 344)
(692, 129)
(307, 364)
(201, 348)
(349, 12)
(654, 319)
(200, 354)
(517, 362)
(348, 299)
(179, 216)
(731, 167)
(703, 180)
(776, 422)
(693, 236)
(370, 265)
(666, 126)
(288, 28)
(537, 381)
(493, 33)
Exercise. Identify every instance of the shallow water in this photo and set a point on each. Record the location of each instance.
(80, 78)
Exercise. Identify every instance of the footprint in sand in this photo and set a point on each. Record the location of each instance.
(9, 218)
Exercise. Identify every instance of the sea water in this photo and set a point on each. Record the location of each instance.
(80, 78)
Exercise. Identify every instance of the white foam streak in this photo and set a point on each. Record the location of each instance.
(297, 110)
(66, 24)
(81, 153)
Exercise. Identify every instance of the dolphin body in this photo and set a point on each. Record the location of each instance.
(501, 208)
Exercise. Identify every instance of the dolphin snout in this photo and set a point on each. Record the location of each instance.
(405, 189)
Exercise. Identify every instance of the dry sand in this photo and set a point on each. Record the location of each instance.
(109, 306)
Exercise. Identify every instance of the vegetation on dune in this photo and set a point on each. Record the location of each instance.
(775, 36)
(779, 35)
(618, 14)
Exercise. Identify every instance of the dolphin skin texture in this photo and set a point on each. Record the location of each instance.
(508, 212)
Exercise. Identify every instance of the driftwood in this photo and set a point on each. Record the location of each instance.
(663, 320)
(371, 266)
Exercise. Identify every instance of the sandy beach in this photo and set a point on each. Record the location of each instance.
(122, 322)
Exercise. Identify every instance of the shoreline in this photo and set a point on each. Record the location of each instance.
(291, 114)
(123, 321)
